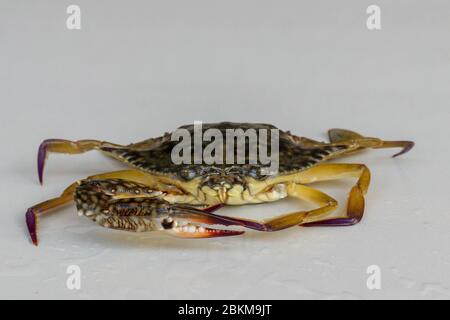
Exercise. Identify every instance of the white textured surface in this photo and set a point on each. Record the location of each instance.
(138, 70)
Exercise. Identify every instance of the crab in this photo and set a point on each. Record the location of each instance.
(157, 195)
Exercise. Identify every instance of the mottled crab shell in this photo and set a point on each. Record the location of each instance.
(154, 155)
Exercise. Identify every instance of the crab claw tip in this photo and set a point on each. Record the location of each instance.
(31, 220)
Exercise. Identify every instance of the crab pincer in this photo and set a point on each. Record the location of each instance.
(191, 223)
(188, 223)
(128, 206)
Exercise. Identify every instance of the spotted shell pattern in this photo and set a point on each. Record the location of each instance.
(155, 155)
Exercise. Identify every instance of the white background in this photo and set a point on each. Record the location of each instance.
(139, 68)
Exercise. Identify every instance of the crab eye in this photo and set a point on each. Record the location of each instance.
(253, 173)
(167, 223)
(187, 174)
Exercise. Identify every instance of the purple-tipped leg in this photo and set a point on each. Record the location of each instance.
(31, 220)
(61, 146)
(42, 157)
(407, 145)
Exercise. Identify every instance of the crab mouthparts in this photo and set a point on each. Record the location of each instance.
(223, 195)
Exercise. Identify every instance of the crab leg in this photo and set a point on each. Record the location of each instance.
(67, 147)
(357, 141)
(355, 204)
(33, 213)
(326, 203)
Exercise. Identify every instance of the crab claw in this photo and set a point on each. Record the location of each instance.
(204, 217)
(192, 217)
(121, 209)
(188, 222)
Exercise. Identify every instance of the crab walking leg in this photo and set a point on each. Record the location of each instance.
(355, 204)
(375, 143)
(302, 192)
(326, 203)
(358, 142)
(67, 147)
(33, 213)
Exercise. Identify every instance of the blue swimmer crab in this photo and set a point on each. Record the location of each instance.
(158, 195)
